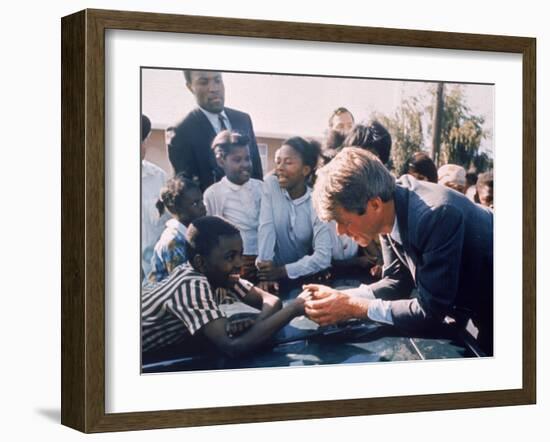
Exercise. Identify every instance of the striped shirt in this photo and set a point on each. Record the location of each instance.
(180, 305)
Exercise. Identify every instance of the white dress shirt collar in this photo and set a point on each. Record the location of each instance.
(395, 235)
(215, 119)
(234, 187)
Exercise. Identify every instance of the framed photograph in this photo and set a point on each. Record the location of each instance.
(132, 78)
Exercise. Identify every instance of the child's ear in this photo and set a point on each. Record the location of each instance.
(199, 263)
(220, 160)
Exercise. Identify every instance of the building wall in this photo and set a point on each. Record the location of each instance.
(157, 150)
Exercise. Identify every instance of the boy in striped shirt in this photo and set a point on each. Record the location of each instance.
(185, 307)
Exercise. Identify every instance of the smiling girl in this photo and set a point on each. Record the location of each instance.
(237, 196)
(293, 242)
(182, 198)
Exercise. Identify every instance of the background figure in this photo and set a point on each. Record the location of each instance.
(471, 180)
(421, 166)
(190, 147)
(183, 200)
(484, 189)
(293, 242)
(341, 120)
(332, 145)
(152, 180)
(237, 196)
(373, 137)
(453, 176)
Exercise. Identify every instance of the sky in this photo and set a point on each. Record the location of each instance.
(298, 105)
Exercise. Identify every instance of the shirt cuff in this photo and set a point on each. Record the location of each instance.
(380, 311)
(294, 271)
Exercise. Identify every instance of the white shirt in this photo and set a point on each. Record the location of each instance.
(290, 232)
(379, 310)
(239, 204)
(152, 225)
(215, 120)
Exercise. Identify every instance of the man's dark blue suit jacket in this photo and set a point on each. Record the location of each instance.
(190, 148)
(446, 253)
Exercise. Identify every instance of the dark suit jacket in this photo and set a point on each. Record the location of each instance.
(190, 149)
(446, 253)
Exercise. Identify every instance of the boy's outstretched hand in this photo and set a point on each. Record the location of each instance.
(328, 306)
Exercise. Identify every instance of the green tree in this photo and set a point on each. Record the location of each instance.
(461, 130)
(405, 127)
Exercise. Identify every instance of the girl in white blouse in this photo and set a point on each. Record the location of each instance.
(236, 197)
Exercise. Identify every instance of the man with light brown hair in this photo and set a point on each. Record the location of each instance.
(433, 239)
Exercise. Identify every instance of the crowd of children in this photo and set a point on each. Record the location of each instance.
(245, 239)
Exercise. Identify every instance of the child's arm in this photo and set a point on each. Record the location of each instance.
(260, 332)
(263, 301)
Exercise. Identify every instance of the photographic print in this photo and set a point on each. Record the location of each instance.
(302, 213)
(302, 220)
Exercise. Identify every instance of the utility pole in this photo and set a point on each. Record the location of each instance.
(437, 116)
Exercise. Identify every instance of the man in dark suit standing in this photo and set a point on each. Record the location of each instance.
(434, 240)
(190, 150)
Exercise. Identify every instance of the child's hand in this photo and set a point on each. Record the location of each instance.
(301, 300)
(267, 271)
(269, 287)
(237, 327)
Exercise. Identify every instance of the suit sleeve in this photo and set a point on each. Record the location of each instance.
(438, 270)
(181, 155)
(396, 282)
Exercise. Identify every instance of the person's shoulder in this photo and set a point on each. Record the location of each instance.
(183, 276)
(169, 238)
(214, 189)
(230, 112)
(190, 120)
(256, 183)
(423, 194)
(150, 168)
(187, 274)
(271, 183)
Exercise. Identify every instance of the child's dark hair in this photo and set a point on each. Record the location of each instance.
(309, 151)
(145, 127)
(171, 195)
(471, 179)
(373, 137)
(204, 234)
(226, 140)
(332, 145)
(421, 163)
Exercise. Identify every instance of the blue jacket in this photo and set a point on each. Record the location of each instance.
(446, 254)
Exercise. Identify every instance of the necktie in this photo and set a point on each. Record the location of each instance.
(222, 122)
(403, 257)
